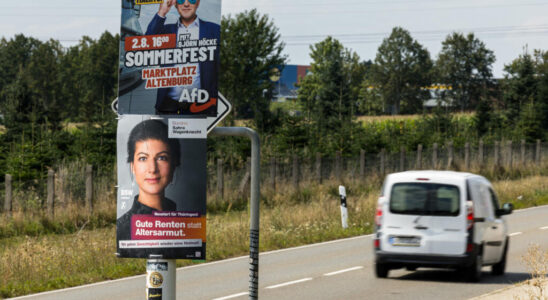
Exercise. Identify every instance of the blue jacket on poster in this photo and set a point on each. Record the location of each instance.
(209, 70)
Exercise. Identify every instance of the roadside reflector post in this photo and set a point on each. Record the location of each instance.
(161, 278)
(254, 205)
(344, 209)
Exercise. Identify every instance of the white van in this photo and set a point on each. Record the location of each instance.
(440, 219)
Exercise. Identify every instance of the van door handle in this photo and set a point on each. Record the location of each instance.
(419, 227)
(494, 227)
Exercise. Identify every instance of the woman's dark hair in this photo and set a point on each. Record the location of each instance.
(155, 130)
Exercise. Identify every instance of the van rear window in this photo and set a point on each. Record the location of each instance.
(425, 199)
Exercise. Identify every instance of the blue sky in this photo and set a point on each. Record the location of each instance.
(505, 26)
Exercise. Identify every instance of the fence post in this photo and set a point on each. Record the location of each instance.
(402, 158)
(418, 165)
(450, 158)
(480, 153)
(295, 172)
(319, 167)
(537, 154)
(382, 161)
(522, 152)
(496, 154)
(434, 156)
(467, 156)
(61, 195)
(220, 179)
(89, 188)
(362, 164)
(51, 193)
(273, 173)
(509, 154)
(8, 199)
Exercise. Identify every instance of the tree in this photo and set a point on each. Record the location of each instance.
(329, 92)
(483, 116)
(370, 100)
(29, 94)
(401, 72)
(541, 64)
(97, 76)
(519, 85)
(465, 64)
(251, 49)
(14, 55)
(44, 85)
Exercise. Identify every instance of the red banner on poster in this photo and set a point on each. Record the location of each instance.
(147, 227)
(150, 42)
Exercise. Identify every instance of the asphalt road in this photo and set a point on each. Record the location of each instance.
(341, 269)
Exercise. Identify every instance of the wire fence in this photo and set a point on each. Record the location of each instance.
(501, 159)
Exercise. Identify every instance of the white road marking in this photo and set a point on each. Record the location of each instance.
(515, 233)
(232, 296)
(288, 283)
(343, 271)
(544, 228)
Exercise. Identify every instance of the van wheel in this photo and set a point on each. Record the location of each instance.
(381, 270)
(473, 273)
(499, 268)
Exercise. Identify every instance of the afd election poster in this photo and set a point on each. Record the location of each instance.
(161, 197)
(169, 57)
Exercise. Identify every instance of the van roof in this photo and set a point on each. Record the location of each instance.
(440, 175)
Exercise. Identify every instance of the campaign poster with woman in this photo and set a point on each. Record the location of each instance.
(169, 57)
(161, 207)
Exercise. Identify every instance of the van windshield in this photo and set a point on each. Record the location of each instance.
(425, 199)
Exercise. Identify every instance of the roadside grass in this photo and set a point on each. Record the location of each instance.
(532, 191)
(31, 264)
(536, 260)
(34, 264)
(71, 218)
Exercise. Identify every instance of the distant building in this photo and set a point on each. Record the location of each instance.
(285, 83)
(437, 97)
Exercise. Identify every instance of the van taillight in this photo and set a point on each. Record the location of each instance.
(377, 243)
(470, 218)
(470, 248)
(378, 215)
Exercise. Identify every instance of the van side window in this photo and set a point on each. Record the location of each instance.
(494, 200)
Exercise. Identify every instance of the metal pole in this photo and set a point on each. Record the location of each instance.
(161, 278)
(255, 188)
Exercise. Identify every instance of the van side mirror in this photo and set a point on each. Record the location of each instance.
(506, 209)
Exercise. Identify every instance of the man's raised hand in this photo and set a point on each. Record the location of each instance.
(165, 7)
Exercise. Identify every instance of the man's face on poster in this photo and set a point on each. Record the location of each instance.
(187, 10)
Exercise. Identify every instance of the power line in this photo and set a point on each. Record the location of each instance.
(426, 35)
(340, 8)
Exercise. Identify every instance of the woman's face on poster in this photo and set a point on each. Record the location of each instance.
(152, 166)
